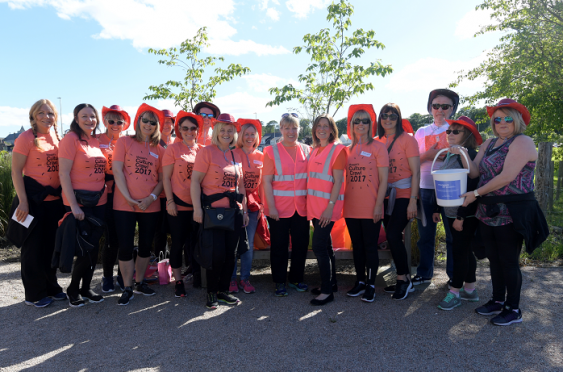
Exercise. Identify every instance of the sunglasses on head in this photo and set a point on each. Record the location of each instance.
(507, 119)
(185, 129)
(444, 106)
(205, 115)
(118, 122)
(454, 131)
(153, 123)
(363, 121)
(292, 114)
(389, 116)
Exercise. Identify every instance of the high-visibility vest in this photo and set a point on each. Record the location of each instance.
(321, 181)
(289, 183)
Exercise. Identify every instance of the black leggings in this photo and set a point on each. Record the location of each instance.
(503, 246)
(465, 263)
(225, 244)
(84, 266)
(364, 234)
(125, 225)
(184, 232)
(394, 226)
(322, 246)
(39, 279)
(109, 253)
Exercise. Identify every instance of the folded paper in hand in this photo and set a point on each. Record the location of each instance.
(26, 222)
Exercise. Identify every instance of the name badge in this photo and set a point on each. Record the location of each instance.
(153, 154)
(363, 153)
(102, 146)
(257, 162)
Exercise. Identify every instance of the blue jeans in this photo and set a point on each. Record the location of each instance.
(246, 258)
(427, 238)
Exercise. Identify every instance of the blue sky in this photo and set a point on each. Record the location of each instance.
(95, 51)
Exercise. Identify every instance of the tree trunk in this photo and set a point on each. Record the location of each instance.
(559, 179)
(544, 175)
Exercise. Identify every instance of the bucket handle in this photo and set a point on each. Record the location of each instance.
(446, 149)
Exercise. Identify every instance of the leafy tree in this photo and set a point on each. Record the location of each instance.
(305, 125)
(527, 65)
(332, 78)
(193, 88)
(271, 126)
(478, 115)
(342, 126)
(419, 120)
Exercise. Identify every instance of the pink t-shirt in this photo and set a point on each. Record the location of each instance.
(405, 147)
(141, 166)
(183, 159)
(41, 165)
(252, 165)
(88, 170)
(107, 145)
(427, 137)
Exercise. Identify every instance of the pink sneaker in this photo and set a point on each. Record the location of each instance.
(233, 287)
(246, 286)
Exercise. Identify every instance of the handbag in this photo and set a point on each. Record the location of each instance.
(221, 218)
(164, 269)
(89, 198)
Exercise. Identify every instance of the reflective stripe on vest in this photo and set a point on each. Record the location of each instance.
(325, 176)
(290, 193)
(324, 195)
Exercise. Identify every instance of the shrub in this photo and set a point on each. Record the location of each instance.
(7, 191)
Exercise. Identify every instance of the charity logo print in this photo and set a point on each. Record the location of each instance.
(52, 163)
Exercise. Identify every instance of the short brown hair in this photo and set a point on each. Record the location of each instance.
(468, 140)
(333, 128)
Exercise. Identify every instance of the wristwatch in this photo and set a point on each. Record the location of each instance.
(330, 202)
(476, 193)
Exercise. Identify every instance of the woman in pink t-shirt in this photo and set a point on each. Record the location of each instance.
(82, 168)
(138, 176)
(35, 156)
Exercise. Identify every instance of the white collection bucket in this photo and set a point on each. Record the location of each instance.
(449, 184)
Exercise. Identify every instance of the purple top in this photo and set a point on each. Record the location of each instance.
(491, 165)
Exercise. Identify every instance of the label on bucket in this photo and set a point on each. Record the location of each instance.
(448, 190)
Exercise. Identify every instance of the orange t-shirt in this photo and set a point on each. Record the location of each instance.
(405, 147)
(362, 179)
(141, 166)
(252, 165)
(340, 162)
(219, 172)
(107, 145)
(41, 165)
(88, 170)
(269, 163)
(183, 158)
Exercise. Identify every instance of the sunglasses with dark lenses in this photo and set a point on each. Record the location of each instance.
(292, 114)
(363, 121)
(507, 119)
(389, 116)
(185, 129)
(118, 122)
(153, 123)
(454, 131)
(444, 106)
(206, 115)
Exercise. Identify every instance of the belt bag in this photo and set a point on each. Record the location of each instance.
(219, 218)
(89, 198)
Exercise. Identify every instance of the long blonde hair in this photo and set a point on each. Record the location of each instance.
(34, 110)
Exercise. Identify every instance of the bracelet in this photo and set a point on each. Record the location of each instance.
(414, 197)
(169, 202)
(154, 197)
(330, 202)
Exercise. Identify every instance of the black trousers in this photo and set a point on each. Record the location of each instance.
(162, 229)
(39, 279)
(184, 234)
(364, 235)
(109, 252)
(84, 266)
(225, 244)
(125, 224)
(322, 246)
(297, 227)
(465, 263)
(394, 226)
(503, 246)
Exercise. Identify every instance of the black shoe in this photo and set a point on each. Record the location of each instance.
(179, 289)
(316, 302)
(402, 289)
(419, 280)
(75, 300)
(197, 280)
(359, 289)
(317, 291)
(126, 296)
(227, 298)
(91, 296)
(369, 294)
(212, 301)
(144, 289)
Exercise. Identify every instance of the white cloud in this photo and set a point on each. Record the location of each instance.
(13, 116)
(472, 22)
(154, 23)
(273, 14)
(243, 104)
(302, 8)
(430, 73)
(263, 82)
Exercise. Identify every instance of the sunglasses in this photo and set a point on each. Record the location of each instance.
(455, 131)
(292, 114)
(186, 129)
(118, 122)
(507, 119)
(389, 116)
(205, 115)
(153, 123)
(444, 106)
(363, 121)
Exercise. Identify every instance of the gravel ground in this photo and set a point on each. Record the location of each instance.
(163, 333)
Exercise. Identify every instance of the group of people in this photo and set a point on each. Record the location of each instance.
(212, 189)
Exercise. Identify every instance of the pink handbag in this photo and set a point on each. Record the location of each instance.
(164, 269)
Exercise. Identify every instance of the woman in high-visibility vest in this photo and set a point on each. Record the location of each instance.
(284, 179)
(325, 200)
(366, 182)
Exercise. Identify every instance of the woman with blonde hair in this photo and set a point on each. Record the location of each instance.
(35, 174)
(138, 176)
